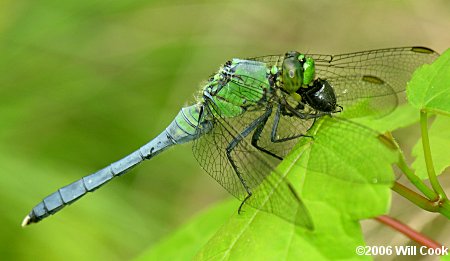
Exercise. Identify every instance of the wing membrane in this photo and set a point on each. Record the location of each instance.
(271, 190)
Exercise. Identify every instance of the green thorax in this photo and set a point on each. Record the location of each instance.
(238, 86)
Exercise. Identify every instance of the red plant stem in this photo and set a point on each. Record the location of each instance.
(409, 232)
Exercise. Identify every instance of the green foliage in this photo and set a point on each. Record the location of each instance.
(429, 89)
(262, 235)
(403, 116)
(440, 148)
(267, 237)
(338, 190)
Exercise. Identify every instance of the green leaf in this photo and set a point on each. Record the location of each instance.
(430, 86)
(349, 168)
(256, 235)
(401, 117)
(348, 178)
(440, 148)
(445, 258)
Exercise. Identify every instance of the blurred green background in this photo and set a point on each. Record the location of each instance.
(83, 83)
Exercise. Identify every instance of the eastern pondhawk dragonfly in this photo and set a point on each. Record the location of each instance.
(253, 111)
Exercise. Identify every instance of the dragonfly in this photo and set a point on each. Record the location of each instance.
(250, 114)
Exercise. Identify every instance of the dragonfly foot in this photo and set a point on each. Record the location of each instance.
(243, 202)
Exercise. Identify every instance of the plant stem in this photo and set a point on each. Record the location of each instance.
(444, 208)
(427, 155)
(415, 198)
(416, 181)
(409, 232)
(439, 205)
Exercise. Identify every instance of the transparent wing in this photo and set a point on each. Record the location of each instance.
(270, 60)
(368, 79)
(334, 135)
(367, 83)
(325, 150)
(363, 96)
(271, 191)
(392, 65)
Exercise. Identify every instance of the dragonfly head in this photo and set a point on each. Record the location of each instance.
(320, 96)
(297, 71)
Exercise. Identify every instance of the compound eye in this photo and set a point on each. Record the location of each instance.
(292, 74)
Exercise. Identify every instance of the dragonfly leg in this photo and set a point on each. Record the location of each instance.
(304, 116)
(257, 134)
(243, 202)
(255, 124)
(274, 135)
